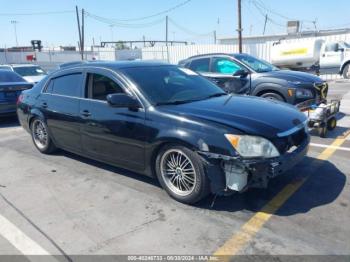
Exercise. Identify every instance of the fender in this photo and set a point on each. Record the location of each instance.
(269, 87)
(196, 141)
(34, 112)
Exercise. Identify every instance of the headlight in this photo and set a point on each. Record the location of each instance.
(252, 146)
(304, 93)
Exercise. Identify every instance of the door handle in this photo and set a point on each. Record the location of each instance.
(323, 55)
(85, 113)
(44, 105)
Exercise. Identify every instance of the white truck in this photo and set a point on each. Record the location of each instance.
(313, 55)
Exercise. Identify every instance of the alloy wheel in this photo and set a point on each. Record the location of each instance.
(178, 172)
(40, 134)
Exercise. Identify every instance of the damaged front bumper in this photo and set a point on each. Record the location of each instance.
(228, 174)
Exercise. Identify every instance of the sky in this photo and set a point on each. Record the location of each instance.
(195, 21)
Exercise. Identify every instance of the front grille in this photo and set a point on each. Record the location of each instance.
(283, 144)
(321, 89)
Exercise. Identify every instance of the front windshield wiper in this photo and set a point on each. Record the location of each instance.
(215, 95)
(176, 102)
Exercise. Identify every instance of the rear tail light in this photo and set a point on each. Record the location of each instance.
(20, 98)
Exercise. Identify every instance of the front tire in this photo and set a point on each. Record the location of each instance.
(346, 71)
(181, 173)
(41, 137)
(273, 96)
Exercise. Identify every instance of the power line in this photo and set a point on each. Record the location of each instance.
(187, 31)
(264, 15)
(118, 24)
(260, 4)
(152, 15)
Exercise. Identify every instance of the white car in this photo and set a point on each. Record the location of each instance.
(31, 73)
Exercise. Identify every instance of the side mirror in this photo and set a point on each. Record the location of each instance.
(123, 100)
(341, 49)
(241, 73)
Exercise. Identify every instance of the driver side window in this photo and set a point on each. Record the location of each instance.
(332, 47)
(225, 66)
(99, 86)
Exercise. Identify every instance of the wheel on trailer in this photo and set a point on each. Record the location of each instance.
(331, 123)
(322, 131)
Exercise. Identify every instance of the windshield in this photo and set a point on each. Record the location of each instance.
(257, 65)
(29, 70)
(9, 76)
(346, 45)
(171, 84)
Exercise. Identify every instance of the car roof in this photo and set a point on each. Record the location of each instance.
(114, 64)
(213, 54)
(21, 65)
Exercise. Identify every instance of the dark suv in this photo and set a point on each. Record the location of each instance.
(245, 74)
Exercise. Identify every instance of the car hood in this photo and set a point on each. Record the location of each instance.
(251, 115)
(289, 75)
(33, 79)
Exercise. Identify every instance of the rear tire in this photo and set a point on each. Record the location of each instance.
(273, 96)
(346, 71)
(181, 173)
(41, 137)
(331, 123)
(322, 131)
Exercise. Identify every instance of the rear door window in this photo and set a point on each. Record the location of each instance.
(225, 66)
(200, 65)
(67, 85)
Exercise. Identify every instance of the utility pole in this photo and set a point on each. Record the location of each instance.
(239, 30)
(78, 22)
(166, 37)
(82, 33)
(14, 22)
(214, 35)
(144, 41)
(265, 24)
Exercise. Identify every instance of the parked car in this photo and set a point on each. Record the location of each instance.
(31, 73)
(155, 118)
(245, 74)
(11, 85)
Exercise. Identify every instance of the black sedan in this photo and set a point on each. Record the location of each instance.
(165, 121)
(11, 85)
(245, 74)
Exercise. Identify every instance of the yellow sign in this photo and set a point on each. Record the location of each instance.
(297, 51)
